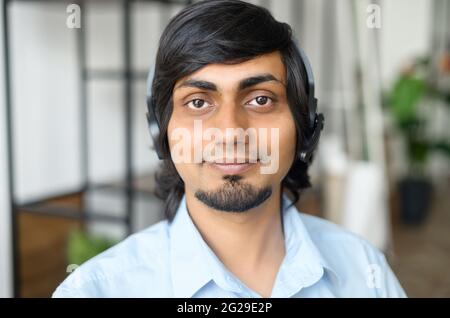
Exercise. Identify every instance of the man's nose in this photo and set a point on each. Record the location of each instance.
(229, 119)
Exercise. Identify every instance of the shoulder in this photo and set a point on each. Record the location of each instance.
(120, 270)
(327, 234)
(336, 243)
(361, 267)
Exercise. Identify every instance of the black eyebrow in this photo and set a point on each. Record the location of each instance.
(254, 80)
(243, 84)
(199, 84)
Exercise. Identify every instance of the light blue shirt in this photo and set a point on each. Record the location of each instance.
(173, 260)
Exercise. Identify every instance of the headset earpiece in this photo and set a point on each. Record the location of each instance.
(153, 128)
(316, 121)
(311, 143)
(152, 120)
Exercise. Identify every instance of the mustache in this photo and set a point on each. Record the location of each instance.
(232, 178)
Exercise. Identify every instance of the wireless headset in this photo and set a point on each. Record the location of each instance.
(316, 121)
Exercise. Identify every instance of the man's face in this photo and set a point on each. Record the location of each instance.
(214, 102)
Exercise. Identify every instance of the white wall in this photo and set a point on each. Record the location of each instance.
(45, 99)
(5, 234)
(405, 34)
(46, 96)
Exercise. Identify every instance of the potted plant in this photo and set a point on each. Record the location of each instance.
(412, 91)
(82, 246)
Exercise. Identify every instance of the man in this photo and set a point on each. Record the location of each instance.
(232, 229)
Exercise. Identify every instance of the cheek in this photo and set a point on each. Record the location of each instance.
(170, 129)
(182, 168)
(288, 139)
(282, 147)
(183, 134)
(287, 145)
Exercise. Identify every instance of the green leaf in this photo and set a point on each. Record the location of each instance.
(82, 247)
(405, 96)
(442, 146)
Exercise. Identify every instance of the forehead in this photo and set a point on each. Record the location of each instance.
(228, 75)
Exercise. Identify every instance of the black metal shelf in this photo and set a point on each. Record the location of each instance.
(67, 212)
(52, 206)
(126, 188)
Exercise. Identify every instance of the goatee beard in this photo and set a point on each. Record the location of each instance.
(234, 195)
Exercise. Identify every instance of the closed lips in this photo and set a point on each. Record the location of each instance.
(231, 161)
(232, 168)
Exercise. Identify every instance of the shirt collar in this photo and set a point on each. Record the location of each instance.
(303, 265)
(194, 264)
(188, 268)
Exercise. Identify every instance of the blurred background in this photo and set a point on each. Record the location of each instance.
(76, 163)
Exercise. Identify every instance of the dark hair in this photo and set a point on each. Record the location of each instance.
(229, 32)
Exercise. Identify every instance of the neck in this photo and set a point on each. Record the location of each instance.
(249, 243)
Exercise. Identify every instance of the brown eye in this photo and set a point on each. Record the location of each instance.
(260, 101)
(198, 104)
